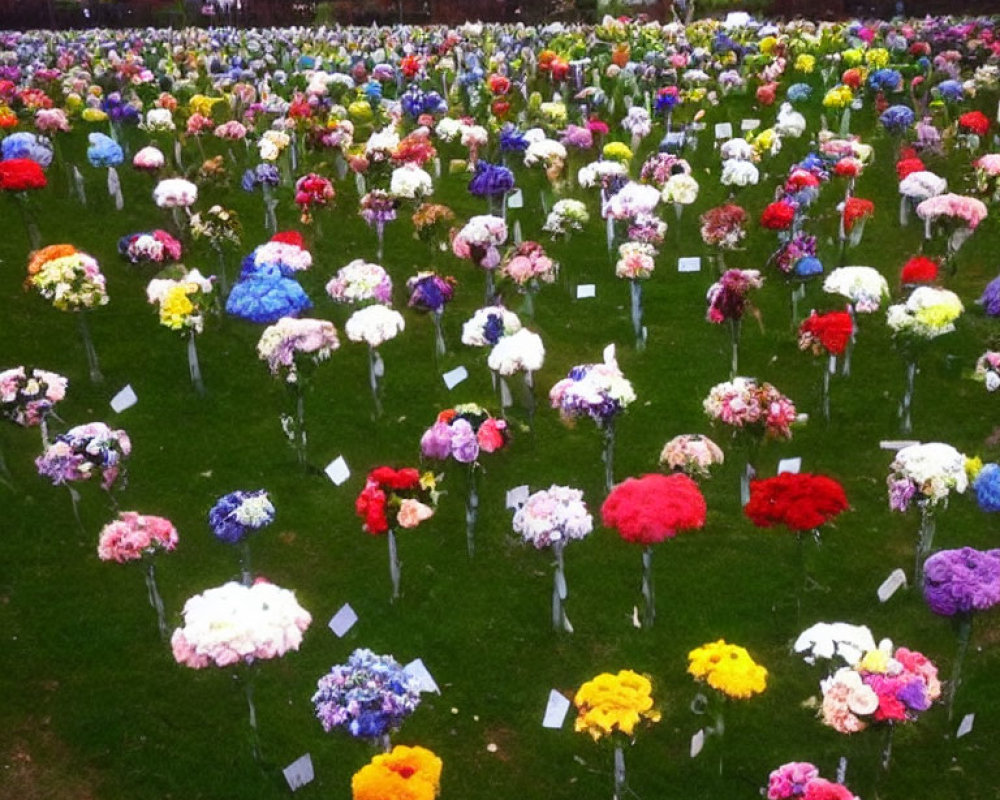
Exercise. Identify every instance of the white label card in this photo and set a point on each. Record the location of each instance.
(724, 130)
(555, 710)
(793, 465)
(965, 726)
(417, 670)
(517, 496)
(689, 264)
(337, 471)
(341, 622)
(454, 377)
(749, 124)
(586, 290)
(515, 199)
(126, 398)
(299, 772)
(892, 584)
(697, 742)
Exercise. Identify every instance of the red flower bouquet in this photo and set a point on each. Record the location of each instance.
(857, 209)
(648, 510)
(826, 333)
(21, 175)
(800, 502)
(778, 216)
(919, 269)
(974, 122)
(908, 163)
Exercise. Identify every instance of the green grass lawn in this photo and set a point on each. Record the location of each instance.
(95, 706)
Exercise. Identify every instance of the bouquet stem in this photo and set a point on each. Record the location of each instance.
(74, 497)
(720, 731)
(924, 543)
(43, 427)
(529, 387)
(385, 742)
(179, 226)
(734, 341)
(608, 456)
(246, 575)
(471, 511)
(380, 237)
(223, 275)
(648, 595)
(30, 226)
(619, 772)
(393, 565)
(155, 600)
(88, 346)
(439, 346)
(798, 292)
(905, 408)
(193, 366)
(489, 287)
(887, 747)
(831, 369)
(374, 365)
(528, 309)
(301, 441)
(270, 204)
(248, 686)
(636, 292)
(846, 370)
(560, 621)
(506, 399)
(964, 634)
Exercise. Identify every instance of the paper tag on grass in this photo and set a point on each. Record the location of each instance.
(515, 199)
(299, 772)
(892, 584)
(689, 264)
(555, 710)
(419, 672)
(337, 471)
(749, 125)
(896, 444)
(126, 398)
(697, 742)
(965, 726)
(724, 130)
(793, 465)
(455, 376)
(517, 496)
(586, 290)
(341, 622)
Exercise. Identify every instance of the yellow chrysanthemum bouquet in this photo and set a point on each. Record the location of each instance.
(183, 297)
(404, 773)
(615, 706)
(731, 671)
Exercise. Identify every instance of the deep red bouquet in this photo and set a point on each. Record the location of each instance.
(778, 216)
(652, 508)
(390, 497)
(826, 332)
(974, 122)
(293, 238)
(919, 269)
(21, 175)
(857, 209)
(800, 502)
(908, 163)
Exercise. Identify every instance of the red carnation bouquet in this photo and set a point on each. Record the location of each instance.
(919, 269)
(778, 216)
(21, 175)
(396, 497)
(800, 502)
(908, 163)
(648, 510)
(856, 210)
(826, 333)
(974, 122)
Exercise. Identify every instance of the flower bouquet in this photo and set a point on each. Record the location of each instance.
(82, 452)
(928, 312)
(526, 266)
(987, 370)
(176, 194)
(796, 260)
(266, 176)
(728, 302)
(925, 474)
(828, 639)
(313, 191)
(139, 537)
(155, 247)
(724, 228)
(692, 454)
(521, 351)
(462, 433)
(616, 706)
(369, 697)
(599, 391)
(183, 297)
(800, 779)
(28, 399)
(855, 213)
(757, 411)
(430, 224)
(648, 510)
(413, 773)
(236, 626)
(431, 292)
(881, 687)
(396, 498)
(360, 282)
(220, 226)
(234, 516)
(478, 241)
(827, 334)
(799, 501)
(103, 151)
(865, 289)
(636, 262)
(918, 270)
(732, 672)
(20, 176)
(488, 325)
(492, 182)
(375, 325)
(960, 214)
(915, 187)
(552, 518)
(956, 584)
(566, 217)
(377, 208)
(73, 281)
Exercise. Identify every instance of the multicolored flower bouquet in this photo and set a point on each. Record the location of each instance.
(183, 297)
(360, 282)
(800, 779)
(235, 515)
(692, 454)
(27, 400)
(728, 300)
(155, 247)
